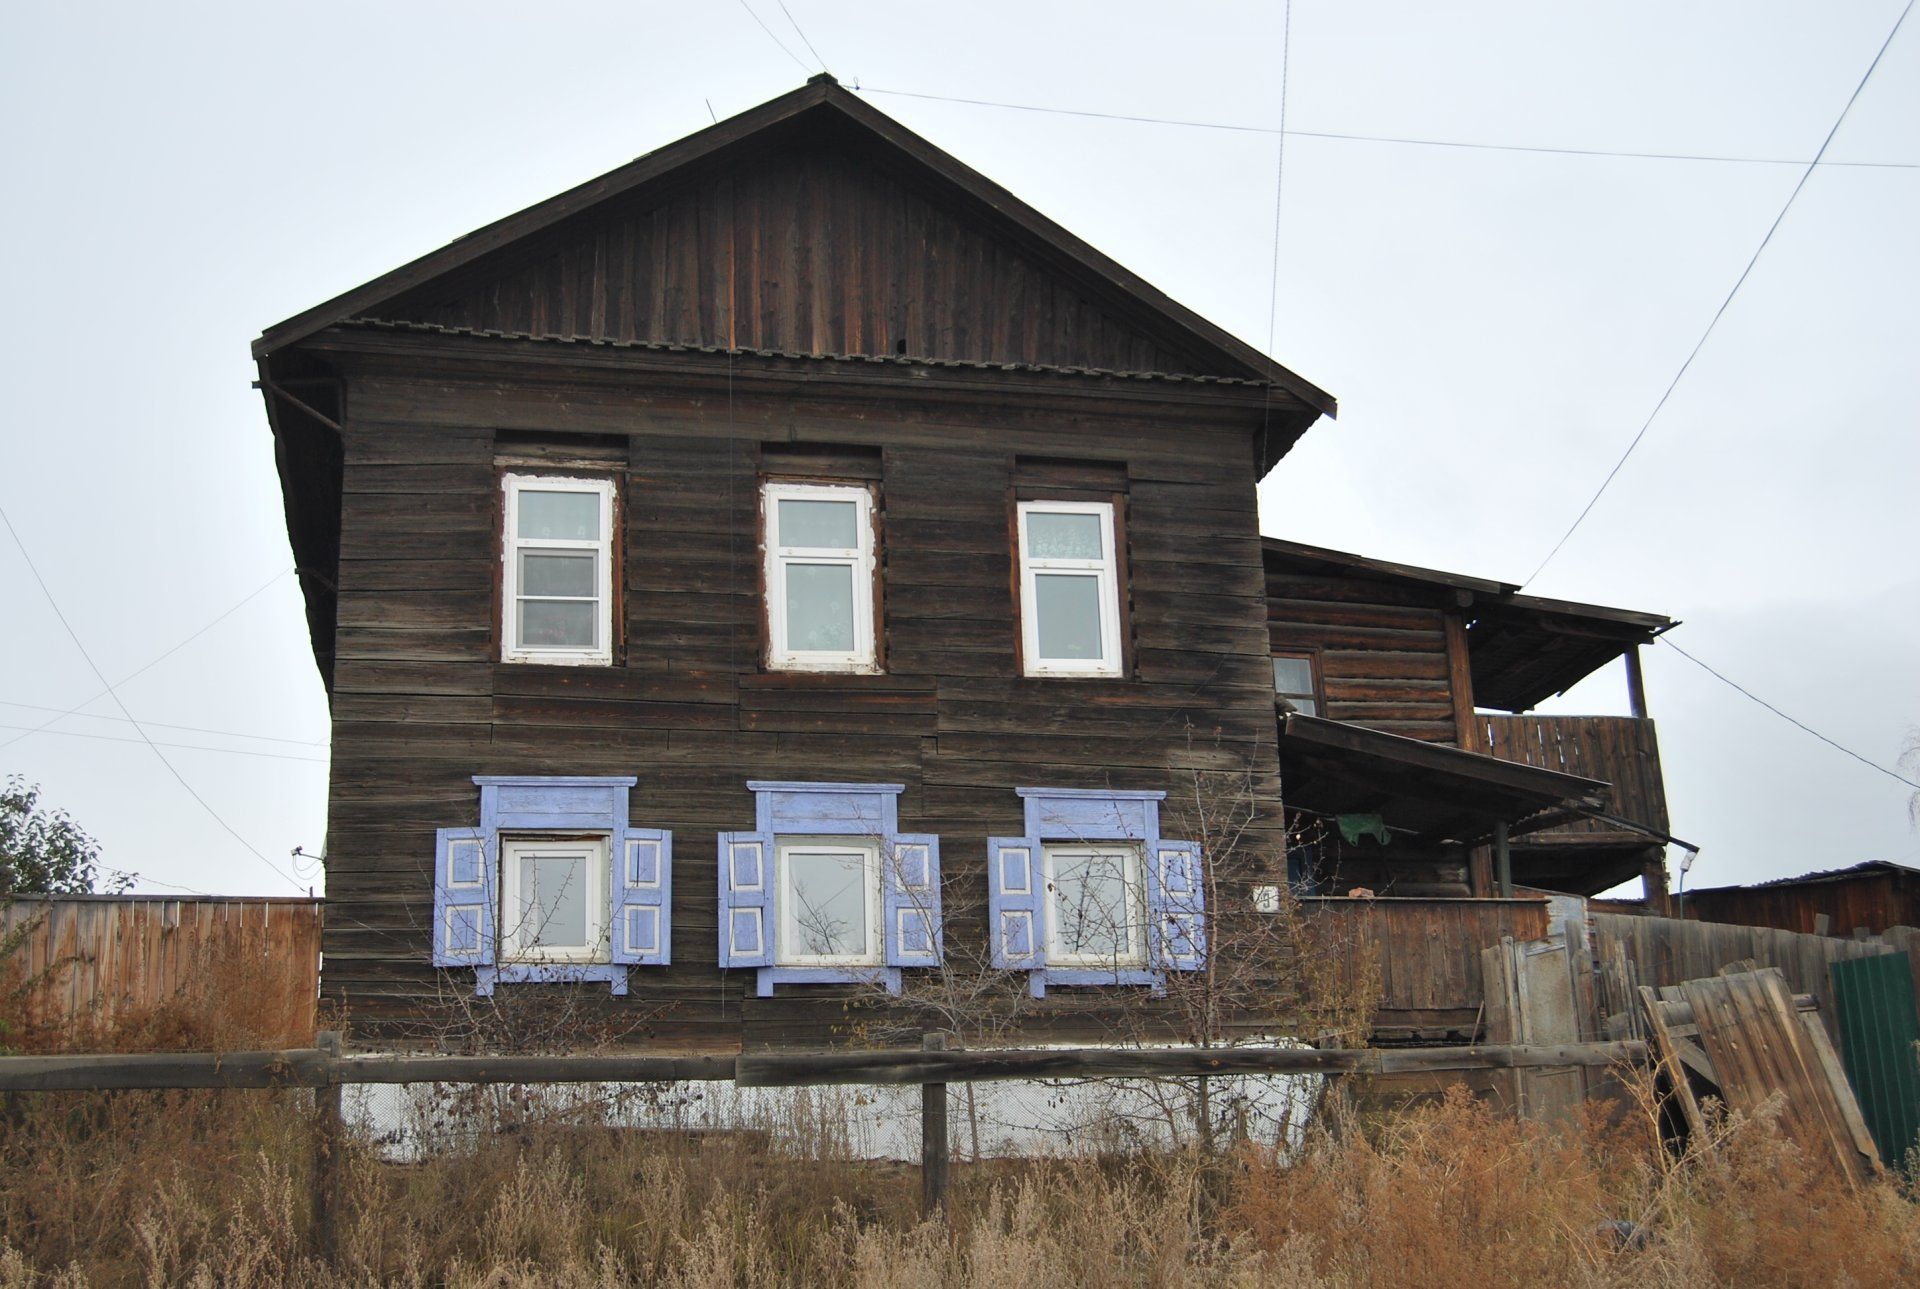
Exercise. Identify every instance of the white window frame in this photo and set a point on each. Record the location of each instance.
(599, 945)
(1133, 874)
(511, 547)
(860, 558)
(1106, 571)
(787, 933)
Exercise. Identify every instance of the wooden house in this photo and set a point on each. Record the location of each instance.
(1865, 898)
(746, 578)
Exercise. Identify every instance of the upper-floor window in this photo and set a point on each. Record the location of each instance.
(1293, 683)
(557, 570)
(1069, 589)
(819, 577)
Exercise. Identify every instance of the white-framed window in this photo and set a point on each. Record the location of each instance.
(1096, 906)
(829, 902)
(553, 899)
(557, 570)
(1069, 589)
(819, 577)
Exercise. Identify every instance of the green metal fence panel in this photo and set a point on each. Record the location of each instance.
(1880, 1044)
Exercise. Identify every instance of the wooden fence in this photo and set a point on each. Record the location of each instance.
(1668, 951)
(92, 958)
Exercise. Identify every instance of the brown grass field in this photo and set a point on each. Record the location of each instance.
(207, 1188)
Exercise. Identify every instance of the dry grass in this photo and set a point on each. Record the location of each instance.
(203, 1188)
(214, 1189)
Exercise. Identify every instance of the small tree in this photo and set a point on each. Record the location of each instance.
(44, 852)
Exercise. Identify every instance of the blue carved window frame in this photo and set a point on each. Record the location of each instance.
(1017, 895)
(749, 877)
(639, 886)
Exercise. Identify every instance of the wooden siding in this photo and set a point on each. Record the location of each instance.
(420, 704)
(1875, 901)
(1428, 952)
(807, 248)
(1379, 650)
(91, 960)
(1620, 750)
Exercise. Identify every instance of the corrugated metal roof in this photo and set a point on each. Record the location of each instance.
(895, 360)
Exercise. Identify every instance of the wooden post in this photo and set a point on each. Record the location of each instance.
(1636, 685)
(1503, 860)
(933, 1137)
(329, 1138)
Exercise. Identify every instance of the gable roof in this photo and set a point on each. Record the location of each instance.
(1184, 343)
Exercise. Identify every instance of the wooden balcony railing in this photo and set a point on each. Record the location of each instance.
(1621, 750)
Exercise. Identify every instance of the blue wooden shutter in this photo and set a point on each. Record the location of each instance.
(463, 898)
(1177, 902)
(643, 898)
(746, 899)
(1016, 903)
(910, 898)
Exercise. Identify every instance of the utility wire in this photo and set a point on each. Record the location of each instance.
(187, 747)
(1891, 774)
(803, 37)
(1385, 138)
(101, 676)
(1279, 177)
(75, 711)
(1719, 313)
(775, 39)
(161, 725)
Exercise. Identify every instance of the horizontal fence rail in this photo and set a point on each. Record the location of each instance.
(317, 1068)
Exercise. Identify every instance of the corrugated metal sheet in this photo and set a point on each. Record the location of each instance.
(1880, 1043)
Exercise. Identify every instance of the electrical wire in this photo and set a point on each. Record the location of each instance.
(775, 39)
(162, 725)
(1383, 138)
(130, 676)
(101, 676)
(803, 36)
(186, 747)
(1719, 313)
(1799, 724)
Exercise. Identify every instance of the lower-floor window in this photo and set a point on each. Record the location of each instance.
(553, 899)
(1096, 906)
(829, 901)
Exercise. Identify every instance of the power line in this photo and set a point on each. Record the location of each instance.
(1721, 311)
(1279, 176)
(775, 39)
(1891, 774)
(159, 725)
(1385, 138)
(187, 747)
(99, 675)
(130, 676)
(803, 36)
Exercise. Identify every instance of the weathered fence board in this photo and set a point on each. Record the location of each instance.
(92, 958)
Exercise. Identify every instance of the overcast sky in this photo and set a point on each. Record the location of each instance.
(1495, 324)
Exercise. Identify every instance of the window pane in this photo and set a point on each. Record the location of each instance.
(1056, 536)
(553, 901)
(820, 607)
(1292, 676)
(829, 524)
(560, 516)
(1067, 609)
(829, 904)
(1302, 703)
(545, 574)
(1091, 908)
(557, 624)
